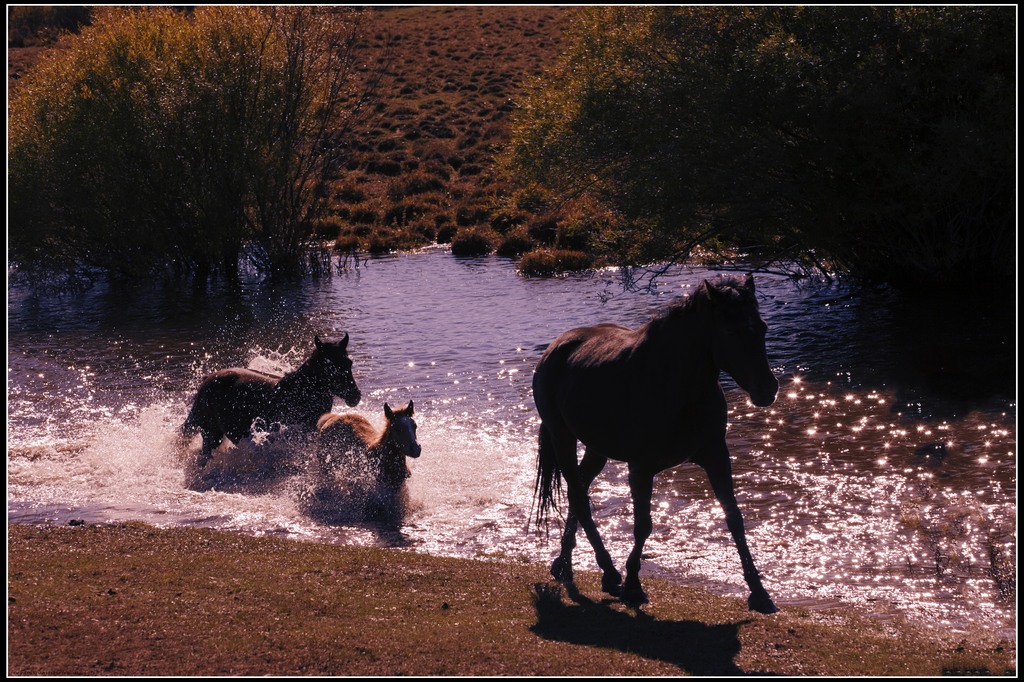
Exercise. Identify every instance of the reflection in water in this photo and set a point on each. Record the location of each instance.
(884, 475)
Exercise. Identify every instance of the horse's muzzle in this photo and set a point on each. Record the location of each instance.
(352, 398)
(764, 396)
(414, 452)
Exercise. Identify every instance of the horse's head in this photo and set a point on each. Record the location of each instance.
(402, 430)
(336, 366)
(737, 338)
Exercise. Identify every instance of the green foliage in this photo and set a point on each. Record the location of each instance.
(875, 140)
(160, 138)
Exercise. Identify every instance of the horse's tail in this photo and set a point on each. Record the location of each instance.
(549, 478)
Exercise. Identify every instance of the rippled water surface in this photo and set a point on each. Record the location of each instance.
(884, 475)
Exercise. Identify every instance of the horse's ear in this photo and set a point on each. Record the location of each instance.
(410, 408)
(749, 282)
(388, 412)
(711, 292)
(344, 341)
(316, 341)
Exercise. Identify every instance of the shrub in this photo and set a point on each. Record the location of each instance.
(31, 25)
(575, 235)
(445, 232)
(880, 139)
(402, 212)
(349, 195)
(367, 213)
(382, 240)
(159, 137)
(386, 167)
(470, 169)
(422, 231)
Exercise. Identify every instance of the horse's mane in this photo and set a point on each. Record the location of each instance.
(306, 370)
(359, 426)
(725, 286)
(365, 431)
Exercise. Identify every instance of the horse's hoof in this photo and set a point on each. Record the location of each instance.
(762, 603)
(561, 570)
(633, 596)
(611, 583)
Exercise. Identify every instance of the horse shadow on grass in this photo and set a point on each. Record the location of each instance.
(694, 647)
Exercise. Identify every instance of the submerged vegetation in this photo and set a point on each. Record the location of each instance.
(876, 142)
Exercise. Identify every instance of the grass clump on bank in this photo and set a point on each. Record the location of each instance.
(546, 262)
(130, 599)
(474, 241)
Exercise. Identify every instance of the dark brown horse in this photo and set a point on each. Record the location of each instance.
(230, 402)
(649, 397)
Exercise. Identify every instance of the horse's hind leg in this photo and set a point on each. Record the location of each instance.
(641, 487)
(590, 466)
(719, 472)
(579, 507)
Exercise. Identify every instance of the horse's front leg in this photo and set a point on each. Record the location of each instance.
(719, 471)
(590, 466)
(210, 443)
(641, 487)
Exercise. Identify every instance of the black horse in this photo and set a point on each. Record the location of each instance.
(230, 402)
(649, 397)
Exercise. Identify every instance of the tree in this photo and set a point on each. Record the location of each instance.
(873, 140)
(163, 139)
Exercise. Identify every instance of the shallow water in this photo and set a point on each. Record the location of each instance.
(884, 475)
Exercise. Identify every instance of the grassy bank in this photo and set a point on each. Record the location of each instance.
(134, 600)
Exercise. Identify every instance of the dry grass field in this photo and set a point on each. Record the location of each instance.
(130, 600)
(421, 171)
